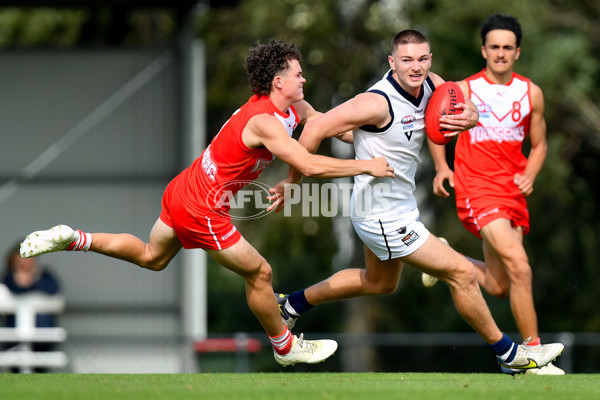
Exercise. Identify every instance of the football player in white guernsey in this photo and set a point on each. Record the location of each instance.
(388, 120)
(492, 178)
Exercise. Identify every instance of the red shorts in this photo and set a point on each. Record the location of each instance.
(475, 213)
(204, 229)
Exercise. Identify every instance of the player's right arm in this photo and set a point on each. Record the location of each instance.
(364, 109)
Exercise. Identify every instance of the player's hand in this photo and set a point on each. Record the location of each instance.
(458, 123)
(524, 183)
(280, 195)
(438, 182)
(379, 168)
(277, 197)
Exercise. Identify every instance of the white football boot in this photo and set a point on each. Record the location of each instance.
(529, 357)
(549, 369)
(307, 351)
(57, 238)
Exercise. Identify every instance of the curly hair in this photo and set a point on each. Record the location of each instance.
(265, 61)
(504, 22)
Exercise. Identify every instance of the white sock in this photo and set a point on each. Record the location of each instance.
(282, 343)
(82, 242)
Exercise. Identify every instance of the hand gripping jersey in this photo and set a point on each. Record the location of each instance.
(399, 142)
(488, 156)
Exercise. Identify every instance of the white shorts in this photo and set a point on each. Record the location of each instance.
(391, 239)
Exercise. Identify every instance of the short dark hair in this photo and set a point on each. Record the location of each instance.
(504, 22)
(267, 60)
(408, 36)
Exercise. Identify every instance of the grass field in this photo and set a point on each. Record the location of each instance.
(299, 386)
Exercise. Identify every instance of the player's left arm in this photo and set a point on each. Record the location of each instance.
(459, 122)
(537, 138)
(306, 112)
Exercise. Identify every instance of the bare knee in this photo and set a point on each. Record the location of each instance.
(500, 291)
(518, 274)
(155, 263)
(380, 286)
(265, 273)
(463, 274)
(521, 274)
(260, 273)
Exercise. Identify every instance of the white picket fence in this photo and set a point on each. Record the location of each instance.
(25, 333)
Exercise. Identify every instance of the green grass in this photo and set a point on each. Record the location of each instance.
(300, 386)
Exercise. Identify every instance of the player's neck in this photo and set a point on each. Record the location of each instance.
(499, 78)
(281, 102)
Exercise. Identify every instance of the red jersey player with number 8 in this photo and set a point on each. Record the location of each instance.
(492, 177)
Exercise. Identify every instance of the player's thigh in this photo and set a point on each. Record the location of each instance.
(382, 271)
(503, 239)
(438, 259)
(241, 258)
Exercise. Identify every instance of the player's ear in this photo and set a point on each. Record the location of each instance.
(277, 82)
(517, 53)
(391, 61)
(483, 53)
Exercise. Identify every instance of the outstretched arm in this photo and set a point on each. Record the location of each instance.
(273, 136)
(363, 109)
(366, 108)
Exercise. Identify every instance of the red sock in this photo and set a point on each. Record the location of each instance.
(535, 342)
(283, 342)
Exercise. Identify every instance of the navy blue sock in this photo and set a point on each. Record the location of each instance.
(504, 348)
(299, 303)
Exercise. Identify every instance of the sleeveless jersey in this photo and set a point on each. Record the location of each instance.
(227, 164)
(399, 142)
(488, 156)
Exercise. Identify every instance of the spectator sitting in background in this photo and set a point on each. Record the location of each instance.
(24, 275)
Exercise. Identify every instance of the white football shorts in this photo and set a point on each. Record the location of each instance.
(393, 238)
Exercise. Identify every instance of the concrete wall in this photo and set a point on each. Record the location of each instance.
(110, 120)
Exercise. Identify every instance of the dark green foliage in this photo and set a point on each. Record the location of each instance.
(345, 50)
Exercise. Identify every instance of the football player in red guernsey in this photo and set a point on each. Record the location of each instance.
(194, 214)
(492, 177)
